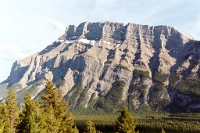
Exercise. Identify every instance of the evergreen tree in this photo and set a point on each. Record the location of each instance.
(90, 127)
(13, 110)
(125, 122)
(4, 119)
(163, 131)
(52, 122)
(58, 109)
(31, 119)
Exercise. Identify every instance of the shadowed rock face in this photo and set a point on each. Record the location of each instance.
(97, 55)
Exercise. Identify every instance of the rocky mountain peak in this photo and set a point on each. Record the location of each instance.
(89, 62)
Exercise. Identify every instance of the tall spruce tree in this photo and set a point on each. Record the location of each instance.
(90, 127)
(125, 122)
(58, 109)
(31, 117)
(4, 119)
(13, 110)
(53, 123)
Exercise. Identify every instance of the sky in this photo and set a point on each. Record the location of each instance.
(28, 26)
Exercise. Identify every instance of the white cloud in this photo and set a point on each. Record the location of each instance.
(11, 52)
(56, 25)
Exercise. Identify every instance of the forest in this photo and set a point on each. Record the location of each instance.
(51, 114)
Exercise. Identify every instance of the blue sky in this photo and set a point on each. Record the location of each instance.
(28, 26)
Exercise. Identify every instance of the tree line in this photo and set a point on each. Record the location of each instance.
(50, 115)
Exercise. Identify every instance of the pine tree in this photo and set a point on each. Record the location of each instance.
(125, 122)
(4, 117)
(13, 110)
(31, 117)
(58, 109)
(52, 122)
(163, 131)
(41, 119)
(90, 127)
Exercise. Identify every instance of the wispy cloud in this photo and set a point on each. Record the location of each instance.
(11, 52)
(55, 24)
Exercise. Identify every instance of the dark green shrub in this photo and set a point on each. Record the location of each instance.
(114, 96)
(108, 62)
(160, 77)
(83, 98)
(74, 94)
(156, 102)
(113, 99)
(189, 86)
(173, 79)
(122, 67)
(139, 73)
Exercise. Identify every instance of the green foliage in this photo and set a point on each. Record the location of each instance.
(93, 99)
(83, 98)
(86, 110)
(156, 102)
(139, 88)
(59, 118)
(4, 119)
(13, 110)
(113, 98)
(150, 122)
(163, 131)
(75, 130)
(140, 73)
(170, 125)
(122, 67)
(160, 77)
(31, 117)
(100, 104)
(51, 114)
(173, 80)
(125, 122)
(186, 86)
(143, 110)
(189, 86)
(90, 127)
(52, 123)
(74, 94)
(108, 62)
(52, 96)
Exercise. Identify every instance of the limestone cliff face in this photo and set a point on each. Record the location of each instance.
(88, 61)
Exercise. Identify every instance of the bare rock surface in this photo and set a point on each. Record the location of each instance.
(96, 55)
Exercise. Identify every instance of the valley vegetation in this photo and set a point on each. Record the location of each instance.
(51, 114)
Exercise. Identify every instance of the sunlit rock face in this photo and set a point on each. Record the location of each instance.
(89, 60)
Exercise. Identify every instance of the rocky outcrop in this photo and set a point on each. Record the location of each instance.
(88, 60)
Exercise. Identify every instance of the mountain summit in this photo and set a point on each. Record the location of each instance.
(105, 65)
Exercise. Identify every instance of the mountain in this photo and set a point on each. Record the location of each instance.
(107, 65)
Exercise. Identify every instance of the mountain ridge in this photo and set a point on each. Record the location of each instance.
(99, 56)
